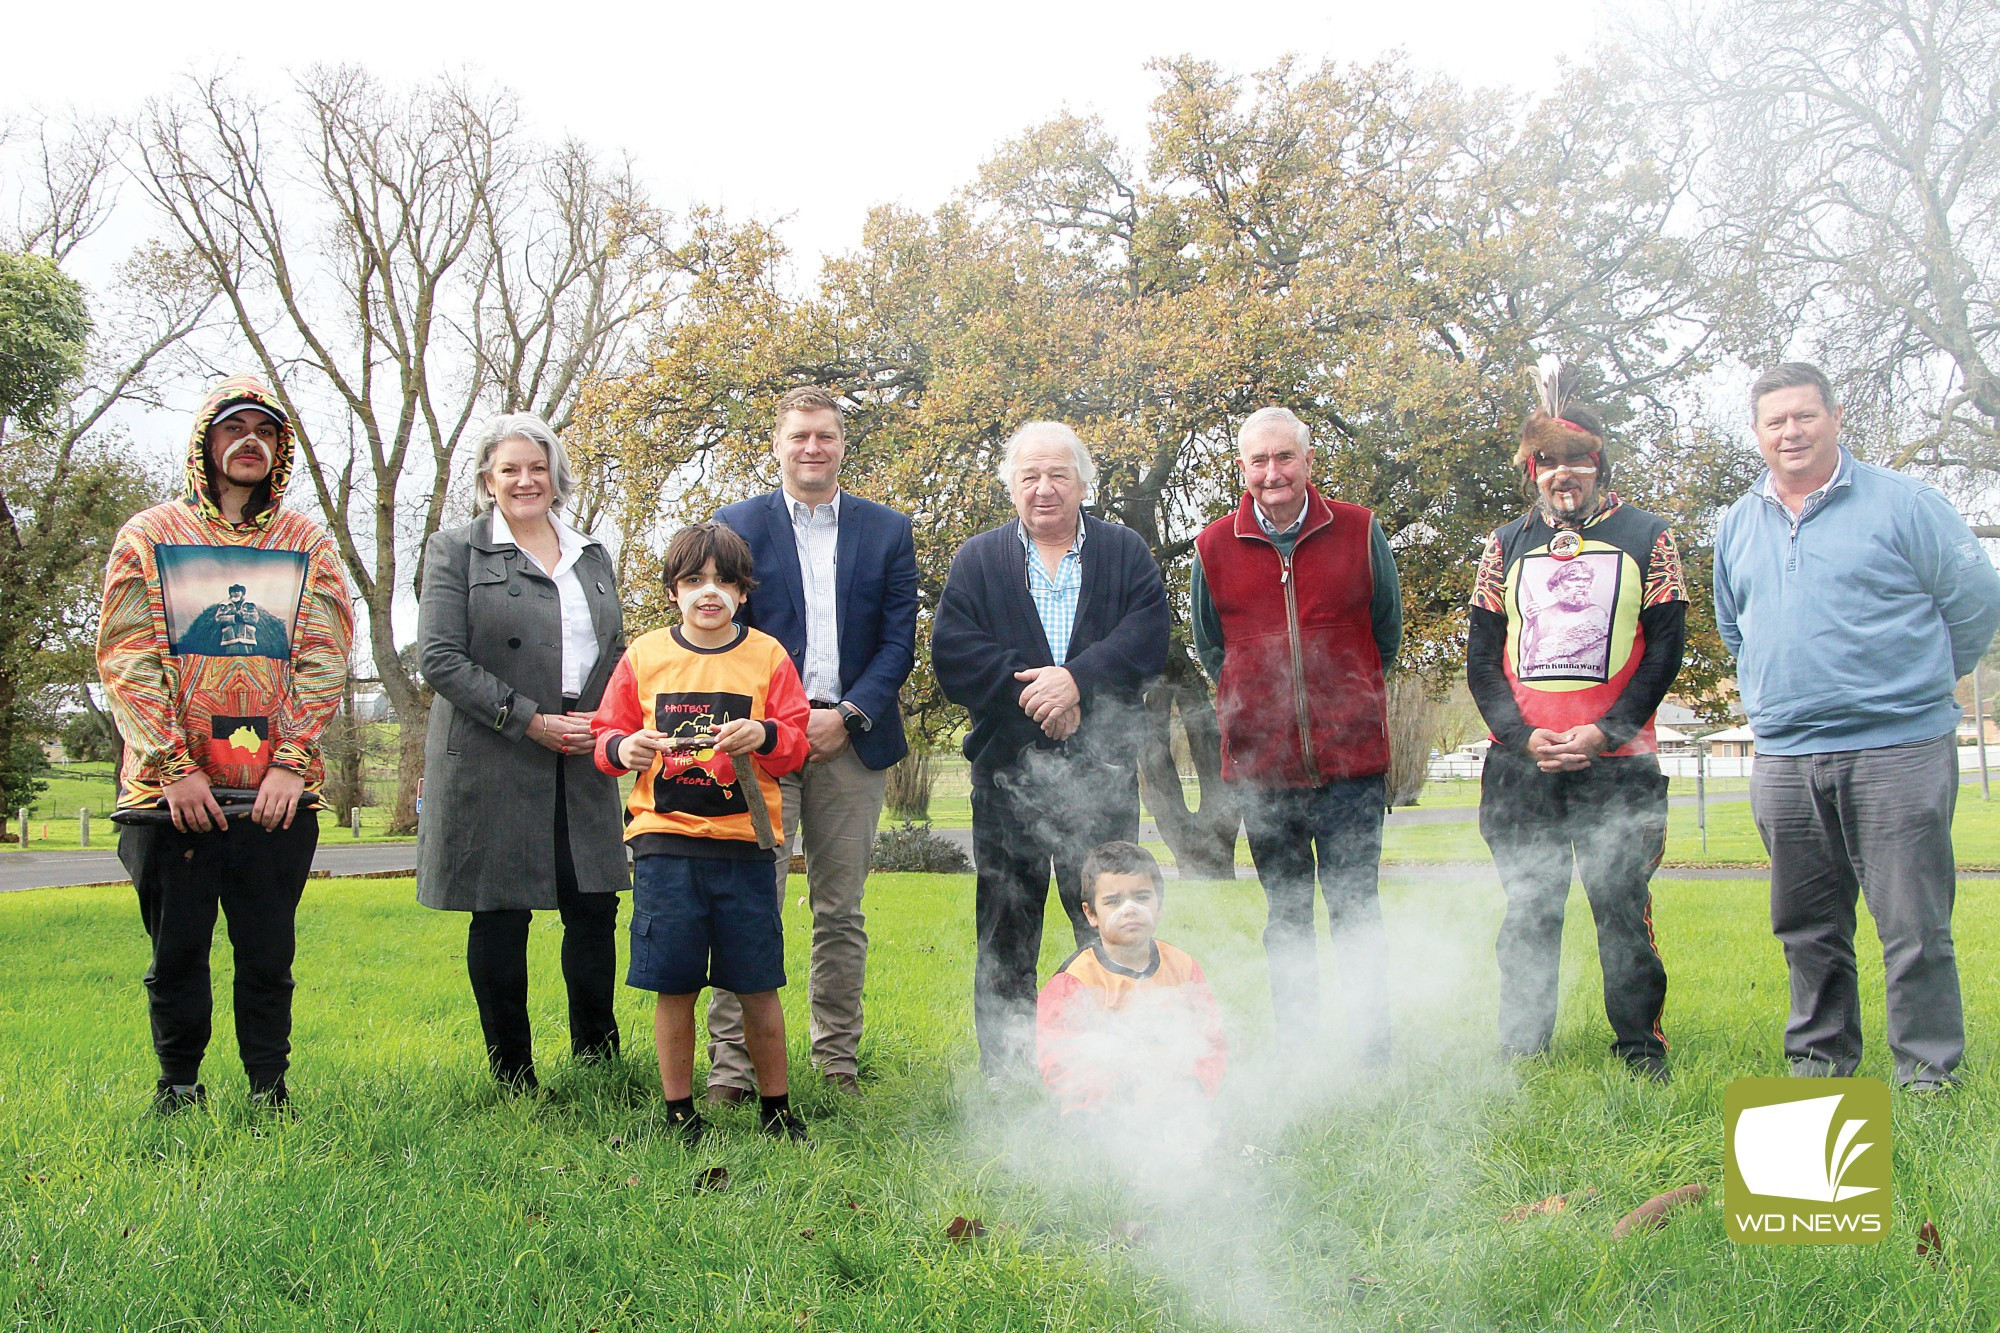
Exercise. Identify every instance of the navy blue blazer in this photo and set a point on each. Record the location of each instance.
(874, 595)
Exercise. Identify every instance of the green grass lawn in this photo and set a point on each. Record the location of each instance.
(407, 1194)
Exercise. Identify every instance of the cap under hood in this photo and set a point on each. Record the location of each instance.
(239, 389)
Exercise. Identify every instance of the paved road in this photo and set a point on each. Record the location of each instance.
(59, 870)
(54, 870)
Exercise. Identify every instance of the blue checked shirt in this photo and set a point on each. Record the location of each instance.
(1056, 594)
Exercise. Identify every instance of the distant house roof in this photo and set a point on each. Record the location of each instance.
(1732, 734)
(1666, 733)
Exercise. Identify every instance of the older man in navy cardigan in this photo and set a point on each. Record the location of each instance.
(837, 585)
(1047, 632)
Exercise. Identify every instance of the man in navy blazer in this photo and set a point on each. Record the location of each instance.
(837, 585)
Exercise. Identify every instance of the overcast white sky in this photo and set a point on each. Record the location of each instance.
(809, 112)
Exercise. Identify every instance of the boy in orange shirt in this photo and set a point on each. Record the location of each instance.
(687, 708)
(1130, 1019)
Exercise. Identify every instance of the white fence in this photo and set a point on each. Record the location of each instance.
(1460, 765)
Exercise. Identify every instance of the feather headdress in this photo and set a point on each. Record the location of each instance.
(1547, 431)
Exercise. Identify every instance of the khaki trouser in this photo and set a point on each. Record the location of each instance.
(831, 808)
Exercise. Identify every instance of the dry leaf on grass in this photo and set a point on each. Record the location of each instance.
(964, 1229)
(1655, 1211)
(1548, 1207)
(1930, 1244)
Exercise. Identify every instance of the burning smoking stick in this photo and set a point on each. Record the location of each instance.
(746, 786)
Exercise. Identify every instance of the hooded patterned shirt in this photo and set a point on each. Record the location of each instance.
(223, 646)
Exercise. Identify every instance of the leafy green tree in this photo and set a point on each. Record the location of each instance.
(1384, 255)
(44, 329)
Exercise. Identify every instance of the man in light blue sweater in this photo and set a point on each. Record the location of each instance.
(1854, 598)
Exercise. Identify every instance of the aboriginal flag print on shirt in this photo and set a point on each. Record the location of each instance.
(240, 742)
(705, 786)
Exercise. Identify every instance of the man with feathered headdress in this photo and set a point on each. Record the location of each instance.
(1578, 621)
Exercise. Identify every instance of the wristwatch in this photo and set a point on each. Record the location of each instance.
(853, 717)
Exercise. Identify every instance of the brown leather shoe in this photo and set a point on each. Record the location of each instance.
(721, 1094)
(847, 1085)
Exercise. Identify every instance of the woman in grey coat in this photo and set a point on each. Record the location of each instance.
(518, 631)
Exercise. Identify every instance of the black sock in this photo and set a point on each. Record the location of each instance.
(774, 1106)
(680, 1108)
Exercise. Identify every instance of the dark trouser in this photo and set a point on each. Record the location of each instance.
(1612, 819)
(1339, 826)
(256, 877)
(496, 958)
(1043, 814)
(1878, 821)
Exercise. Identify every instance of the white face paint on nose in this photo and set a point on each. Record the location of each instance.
(712, 589)
(248, 442)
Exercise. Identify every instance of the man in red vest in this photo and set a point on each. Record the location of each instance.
(1297, 616)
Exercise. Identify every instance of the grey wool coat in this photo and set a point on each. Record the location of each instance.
(489, 635)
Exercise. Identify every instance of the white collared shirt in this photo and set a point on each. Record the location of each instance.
(579, 635)
(816, 529)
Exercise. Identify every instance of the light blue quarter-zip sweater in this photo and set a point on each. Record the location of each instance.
(1852, 624)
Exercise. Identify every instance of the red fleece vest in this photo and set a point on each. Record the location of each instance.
(1330, 680)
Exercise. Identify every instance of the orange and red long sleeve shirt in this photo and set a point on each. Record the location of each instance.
(1104, 1033)
(687, 802)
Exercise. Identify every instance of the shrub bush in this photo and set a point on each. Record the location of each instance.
(914, 849)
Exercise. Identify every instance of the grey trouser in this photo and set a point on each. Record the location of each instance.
(1879, 820)
(833, 809)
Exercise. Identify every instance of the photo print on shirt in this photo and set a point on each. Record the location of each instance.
(230, 601)
(1566, 612)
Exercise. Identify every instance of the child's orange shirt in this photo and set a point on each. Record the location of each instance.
(1103, 1032)
(665, 683)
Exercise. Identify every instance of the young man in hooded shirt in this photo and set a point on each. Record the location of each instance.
(204, 727)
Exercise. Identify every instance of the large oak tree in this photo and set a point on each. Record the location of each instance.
(1385, 255)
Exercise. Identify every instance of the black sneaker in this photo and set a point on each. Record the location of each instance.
(171, 1098)
(518, 1080)
(1652, 1068)
(688, 1126)
(785, 1125)
(272, 1099)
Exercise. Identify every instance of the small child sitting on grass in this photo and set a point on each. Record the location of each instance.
(687, 708)
(1128, 1021)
